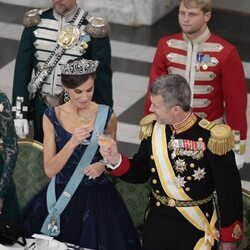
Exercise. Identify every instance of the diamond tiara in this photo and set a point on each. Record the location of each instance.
(79, 67)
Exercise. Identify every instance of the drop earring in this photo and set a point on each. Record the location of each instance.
(66, 96)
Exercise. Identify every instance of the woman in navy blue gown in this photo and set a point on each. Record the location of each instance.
(95, 216)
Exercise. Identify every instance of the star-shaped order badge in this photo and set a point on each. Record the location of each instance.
(199, 174)
(180, 166)
(179, 181)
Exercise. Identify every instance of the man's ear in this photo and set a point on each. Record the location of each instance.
(208, 16)
(177, 109)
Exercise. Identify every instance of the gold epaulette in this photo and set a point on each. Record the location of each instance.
(97, 27)
(32, 17)
(146, 125)
(221, 140)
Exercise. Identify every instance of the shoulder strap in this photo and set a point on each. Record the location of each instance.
(51, 225)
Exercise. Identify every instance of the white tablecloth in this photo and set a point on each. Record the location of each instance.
(31, 246)
(19, 247)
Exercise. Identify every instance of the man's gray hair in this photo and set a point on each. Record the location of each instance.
(174, 90)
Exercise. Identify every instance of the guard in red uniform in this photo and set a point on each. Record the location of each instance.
(212, 67)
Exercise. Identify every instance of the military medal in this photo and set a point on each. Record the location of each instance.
(179, 181)
(183, 147)
(199, 174)
(198, 60)
(68, 37)
(180, 166)
(83, 42)
(202, 61)
(53, 225)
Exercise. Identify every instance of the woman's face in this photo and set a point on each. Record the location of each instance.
(81, 96)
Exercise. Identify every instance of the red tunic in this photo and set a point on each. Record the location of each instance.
(214, 71)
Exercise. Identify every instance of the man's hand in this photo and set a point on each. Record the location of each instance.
(22, 127)
(228, 246)
(110, 153)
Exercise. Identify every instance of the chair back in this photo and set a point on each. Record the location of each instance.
(29, 175)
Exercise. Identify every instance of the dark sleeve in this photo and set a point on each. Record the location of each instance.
(228, 188)
(137, 169)
(101, 51)
(23, 67)
(10, 149)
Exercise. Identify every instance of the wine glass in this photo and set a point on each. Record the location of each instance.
(86, 120)
(106, 138)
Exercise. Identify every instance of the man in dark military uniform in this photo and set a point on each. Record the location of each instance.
(188, 159)
(51, 37)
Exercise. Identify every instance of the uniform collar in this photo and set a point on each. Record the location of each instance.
(68, 17)
(200, 39)
(184, 125)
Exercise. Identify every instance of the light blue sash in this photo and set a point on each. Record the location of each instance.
(51, 225)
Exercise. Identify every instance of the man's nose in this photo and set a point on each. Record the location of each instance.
(185, 17)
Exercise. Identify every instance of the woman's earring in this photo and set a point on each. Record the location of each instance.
(66, 96)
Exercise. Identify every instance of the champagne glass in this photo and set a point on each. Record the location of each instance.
(106, 138)
(86, 120)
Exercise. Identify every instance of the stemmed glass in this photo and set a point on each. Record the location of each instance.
(106, 138)
(86, 120)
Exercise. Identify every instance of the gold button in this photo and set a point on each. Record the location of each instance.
(158, 204)
(154, 181)
(189, 178)
(152, 170)
(171, 202)
(192, 165)
(207, 214)
(200, 139)
(157, 191)
(187, 189)
(151, 157)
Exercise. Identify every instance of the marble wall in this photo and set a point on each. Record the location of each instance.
(127, 12)
(133, 12)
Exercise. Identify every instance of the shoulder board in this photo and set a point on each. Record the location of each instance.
(146, 126)
(97, 27)
(32, 17)
(221, 140)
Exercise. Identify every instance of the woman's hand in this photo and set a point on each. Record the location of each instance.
(94, 170)
(80, 134)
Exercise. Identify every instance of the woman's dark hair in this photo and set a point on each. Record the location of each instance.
(74, 81)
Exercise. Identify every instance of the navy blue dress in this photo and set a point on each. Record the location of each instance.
(96, 216)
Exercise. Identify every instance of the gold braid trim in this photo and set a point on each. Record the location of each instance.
(221, 140)
(31, 18)
(97, 27)
(146, 124)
